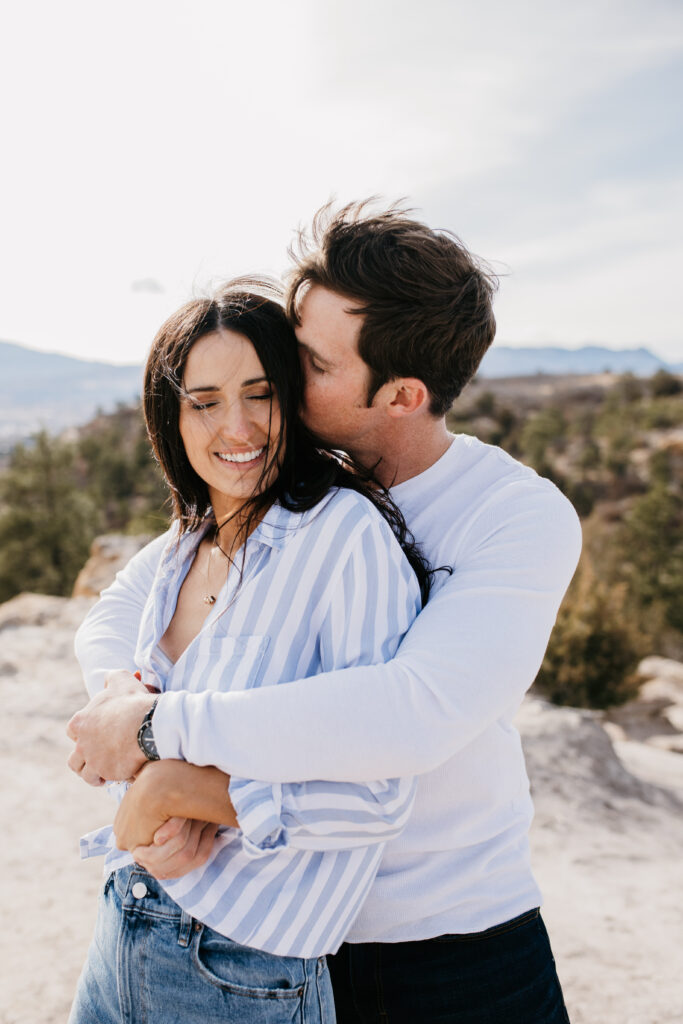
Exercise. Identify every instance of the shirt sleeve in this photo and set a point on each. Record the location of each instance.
(107, 637)
(468, 659)
(374, 600)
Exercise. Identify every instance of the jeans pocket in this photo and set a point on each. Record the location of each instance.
(244, 971)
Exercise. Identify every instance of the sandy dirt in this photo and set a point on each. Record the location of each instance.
(607, 844)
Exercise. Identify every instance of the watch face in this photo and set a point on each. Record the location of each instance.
(148, 745)
(146, 737)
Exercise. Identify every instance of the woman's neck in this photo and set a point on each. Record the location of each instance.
(233, 526)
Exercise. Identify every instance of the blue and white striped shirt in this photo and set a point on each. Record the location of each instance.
(321, 590)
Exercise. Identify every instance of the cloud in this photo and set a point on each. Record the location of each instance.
(147, 284)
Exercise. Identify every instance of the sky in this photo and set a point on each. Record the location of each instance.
(153, 148)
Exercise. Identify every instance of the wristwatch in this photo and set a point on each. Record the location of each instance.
(146, 736)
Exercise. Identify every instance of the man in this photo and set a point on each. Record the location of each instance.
(393, 319)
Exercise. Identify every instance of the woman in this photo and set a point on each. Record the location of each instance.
(278, 564)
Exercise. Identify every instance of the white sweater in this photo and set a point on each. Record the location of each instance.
(441, 709)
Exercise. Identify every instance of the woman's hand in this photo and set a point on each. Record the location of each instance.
(171, 789)
(141, 812)
(180, 846)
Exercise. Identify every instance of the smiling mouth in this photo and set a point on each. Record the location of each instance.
(240, 457)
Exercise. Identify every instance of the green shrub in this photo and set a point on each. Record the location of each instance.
(594, 648)
(47, 522)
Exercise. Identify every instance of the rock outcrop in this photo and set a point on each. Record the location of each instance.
(108, 554)
(655, 716)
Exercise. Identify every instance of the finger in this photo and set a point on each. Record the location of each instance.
(155, 860)
(205, 845)
(123, 681)
(170, 829)
(76, 761)
(91, 777)
(72, 727)
(161, 864)
(176, 843)
(144, 855)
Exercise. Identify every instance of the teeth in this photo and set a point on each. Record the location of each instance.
(240, 456)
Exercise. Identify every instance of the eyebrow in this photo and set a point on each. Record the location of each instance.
(214, 387)
(316, 355)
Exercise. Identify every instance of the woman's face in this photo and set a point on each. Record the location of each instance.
(229, 419)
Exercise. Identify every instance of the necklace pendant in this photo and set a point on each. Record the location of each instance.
(209, 599)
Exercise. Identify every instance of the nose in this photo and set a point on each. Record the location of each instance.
(234, 424)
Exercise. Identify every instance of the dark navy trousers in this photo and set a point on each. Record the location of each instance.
(504, 975)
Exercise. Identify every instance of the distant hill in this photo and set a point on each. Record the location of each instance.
(501, 361)
(43, 389)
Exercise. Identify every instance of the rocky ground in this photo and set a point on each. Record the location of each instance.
(607, 838)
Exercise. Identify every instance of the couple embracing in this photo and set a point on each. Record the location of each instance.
(355, 840)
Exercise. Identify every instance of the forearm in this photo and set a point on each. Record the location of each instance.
(381, 721)
(181, 790)
(466, 662)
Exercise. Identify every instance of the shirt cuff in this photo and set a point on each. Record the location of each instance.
(167, 714)
(258, 806)
(97, 843)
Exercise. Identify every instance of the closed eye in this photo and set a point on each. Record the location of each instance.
(202, 406)
(316, 367)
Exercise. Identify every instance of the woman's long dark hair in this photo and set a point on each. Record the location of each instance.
(306, 468)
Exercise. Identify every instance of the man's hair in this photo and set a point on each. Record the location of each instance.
(426, 301)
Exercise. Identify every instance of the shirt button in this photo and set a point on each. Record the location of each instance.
(139, 890)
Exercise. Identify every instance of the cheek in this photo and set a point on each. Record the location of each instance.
(193, 436)
(316, 389)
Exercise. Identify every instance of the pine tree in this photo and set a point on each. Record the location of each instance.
(47, 522)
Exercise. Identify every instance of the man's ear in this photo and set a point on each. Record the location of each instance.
(405, 396)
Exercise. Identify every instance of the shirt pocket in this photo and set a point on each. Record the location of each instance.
(223, 663)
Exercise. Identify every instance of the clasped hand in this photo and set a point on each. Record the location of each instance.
(105, 731)
(105, 737)
(167, 847)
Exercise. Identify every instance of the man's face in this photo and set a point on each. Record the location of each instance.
(336, 378)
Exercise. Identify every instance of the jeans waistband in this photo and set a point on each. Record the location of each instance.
(142, 894)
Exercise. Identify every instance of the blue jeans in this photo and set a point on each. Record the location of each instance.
(151, 963)
(505, 975)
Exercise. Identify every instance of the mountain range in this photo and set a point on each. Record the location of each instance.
(43, 389)
(500, 361)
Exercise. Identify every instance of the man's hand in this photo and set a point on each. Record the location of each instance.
(179, 846)
(105, 731)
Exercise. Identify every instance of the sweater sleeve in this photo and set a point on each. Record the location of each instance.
(468, 658)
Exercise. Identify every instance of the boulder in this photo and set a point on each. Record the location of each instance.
(108, 555)
(573, 766)
(655, 716)
(655, 667)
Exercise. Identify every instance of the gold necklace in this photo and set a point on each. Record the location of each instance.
(211, 598)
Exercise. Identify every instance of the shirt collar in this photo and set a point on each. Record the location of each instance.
(275, 527)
